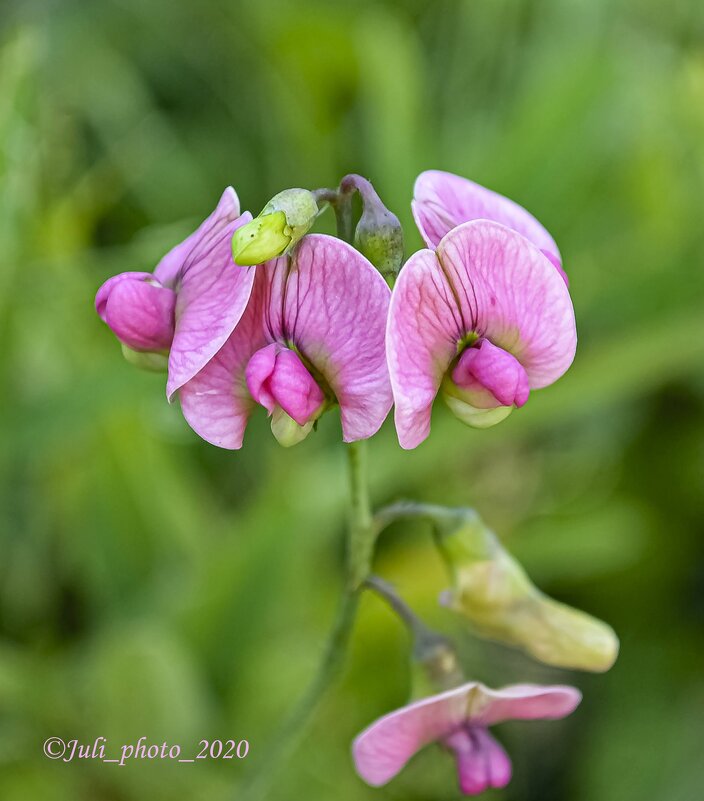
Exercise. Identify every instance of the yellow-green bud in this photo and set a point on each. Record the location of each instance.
(281, 223)
(494, 592)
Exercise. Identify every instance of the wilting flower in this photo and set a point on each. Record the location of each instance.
(312, 337)
(493, 591)
(486, 317)
(191, 302)
(459, 720)
(442, 201)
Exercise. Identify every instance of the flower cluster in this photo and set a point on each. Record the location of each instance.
(482, 316)
(249, 312)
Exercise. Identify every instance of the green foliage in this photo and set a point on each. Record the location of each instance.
(153, 585)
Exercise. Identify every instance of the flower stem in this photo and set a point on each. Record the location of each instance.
(430, 648)
(362, 535)
(362, 529)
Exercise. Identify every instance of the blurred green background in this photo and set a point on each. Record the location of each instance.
(153, 585)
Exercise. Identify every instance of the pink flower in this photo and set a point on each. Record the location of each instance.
(486, 317)
(191, 302)
(312, 337)
(458, 719)
(442, 201)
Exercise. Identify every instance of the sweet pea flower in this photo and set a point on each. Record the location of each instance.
(311, 337)
(190, 304)
(459, 720)
(442, 201)
(485, 317)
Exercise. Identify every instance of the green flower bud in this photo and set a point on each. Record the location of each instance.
(378, 234)
(379, 237)
(494, 592)
(153, 361)
(281, 223)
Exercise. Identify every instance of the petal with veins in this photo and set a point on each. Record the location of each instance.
(442, 201)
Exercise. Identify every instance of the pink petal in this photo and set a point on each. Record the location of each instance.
(328, 302)
(257, 374)
(276, 376)
(335, 305)
(141, 314)
(423, 330)
(523, 702)
(212, 295)
(101, 298)
(383, 749)
(227, 210)
(216, 402)
(481, 762)
(483, 279)
(442, 201)
(487, 367)
(509, 294)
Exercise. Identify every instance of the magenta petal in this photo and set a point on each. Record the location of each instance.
(141, 314)
(216, 402)
(276, 376)
(335, 305)
(494, 369)
(294, 388)
(481, 761)
(257, 374)
(101, 297)
(227, 210)
(442, 201)
(212, 296)
(382, 749)
(524, 702)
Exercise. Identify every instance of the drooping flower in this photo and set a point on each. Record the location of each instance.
(486, 317)
(190, 304)
(311, 337)
(491, 589)
(459, 720)
(442, 201)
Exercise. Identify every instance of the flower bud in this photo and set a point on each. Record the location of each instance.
(494, 592)
(378, 236)
(281, 223)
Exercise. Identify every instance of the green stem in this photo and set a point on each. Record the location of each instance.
(423, 636)
(343, 216)
(362, 529)
(362, 535)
